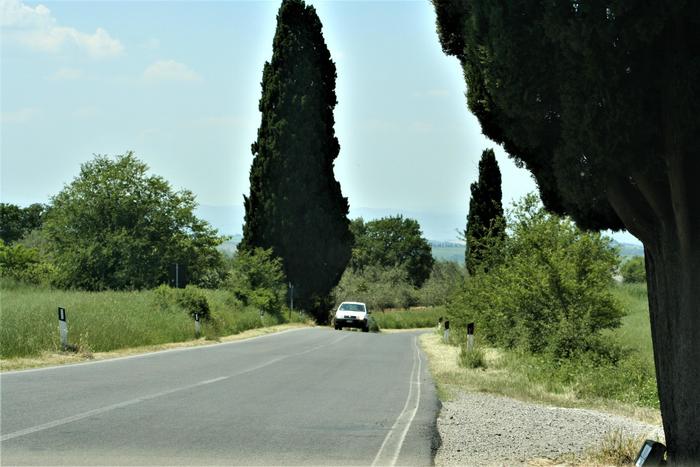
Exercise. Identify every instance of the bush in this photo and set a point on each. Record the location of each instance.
(473, 358)
(552, 292)
(193, 300)
(445, 279)
(379, 287)
(633, 270)
(25, 264)
(256, 279)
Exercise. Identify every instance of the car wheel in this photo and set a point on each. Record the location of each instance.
(365, 329)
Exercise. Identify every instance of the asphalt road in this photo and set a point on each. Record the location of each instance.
(304, 397)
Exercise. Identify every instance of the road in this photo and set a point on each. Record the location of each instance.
(304, 397)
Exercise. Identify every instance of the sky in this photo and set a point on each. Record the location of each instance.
(178, 83)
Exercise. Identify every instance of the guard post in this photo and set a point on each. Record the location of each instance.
(470, 336)
(63, 328)
(446, 335)
(197, 325)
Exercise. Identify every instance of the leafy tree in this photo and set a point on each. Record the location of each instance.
(257, 279)
(116, 227)
(17, 222)
(25, 264)
(392, 242)
(551, 294)
(485, 219)
(295, 205)
(445, 279)
(633, 270)
(379, 287)
(599, 100)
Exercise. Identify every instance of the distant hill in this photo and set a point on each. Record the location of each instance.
(629, 249)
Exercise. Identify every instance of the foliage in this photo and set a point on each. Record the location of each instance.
(445, 279)
(380, 288)
(392, 242)
(598, 100)
(295, 205)
(633, 270)
(473, 358)
(550, 295)
(25, 264)
(16, 222)
(257, 280)
(409, 319)
(485, 220)
(111, 320)
(115, 227)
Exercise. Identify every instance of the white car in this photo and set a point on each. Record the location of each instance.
(352, 315)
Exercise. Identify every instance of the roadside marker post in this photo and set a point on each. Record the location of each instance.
(470, 336)
(446, 336)
(197, 326)
(63, 327)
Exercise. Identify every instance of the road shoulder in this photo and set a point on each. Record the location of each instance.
(51, 359)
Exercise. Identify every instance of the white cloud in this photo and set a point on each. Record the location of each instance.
(19, 116)
(66, 74)
(34, 27)
(170, 70)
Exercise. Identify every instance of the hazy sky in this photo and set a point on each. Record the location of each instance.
(179, 83)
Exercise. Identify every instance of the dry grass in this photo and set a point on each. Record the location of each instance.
(498, 378)
(63, 358)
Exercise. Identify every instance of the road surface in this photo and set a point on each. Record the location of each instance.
(305, 397)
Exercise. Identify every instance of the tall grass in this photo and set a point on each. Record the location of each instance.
(105, 321)
(408, 319)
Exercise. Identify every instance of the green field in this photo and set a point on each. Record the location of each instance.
(105, 321)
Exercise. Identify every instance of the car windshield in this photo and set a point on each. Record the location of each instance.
(352, 307)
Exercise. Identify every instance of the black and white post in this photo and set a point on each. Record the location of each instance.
(470, 336)
(197, 325)
(63, 327)
(446, 336)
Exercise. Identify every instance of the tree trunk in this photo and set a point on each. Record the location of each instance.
(673, 279)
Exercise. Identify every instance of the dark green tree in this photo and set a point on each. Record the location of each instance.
(599, 100)
(485, 224)
(17, 222)
(632, 270)
(295, 205)
(116, 227)
(392, 242)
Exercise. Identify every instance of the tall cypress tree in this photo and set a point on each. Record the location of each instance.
(295, 205)
(485, 225)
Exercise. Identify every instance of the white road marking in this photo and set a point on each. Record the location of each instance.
(405, 419)
(101, 410)
(119, 405)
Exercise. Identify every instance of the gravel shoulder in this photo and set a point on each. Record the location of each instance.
(484, 429)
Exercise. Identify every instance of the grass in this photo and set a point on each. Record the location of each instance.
(108, 321)
(627, 389)
(408, 319)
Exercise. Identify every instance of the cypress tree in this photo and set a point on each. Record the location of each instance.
(599, 100)
(295, 205)
(485, 224)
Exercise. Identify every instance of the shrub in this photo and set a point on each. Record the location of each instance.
(473, 358)
(633, 270)
(256, 279)
(193, 300)
(552, 292)
(379, 287)
(25, 264)
(445, 279)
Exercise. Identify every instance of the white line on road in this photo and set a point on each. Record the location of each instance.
(119, 405)
(101, 410)
(405, 419)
